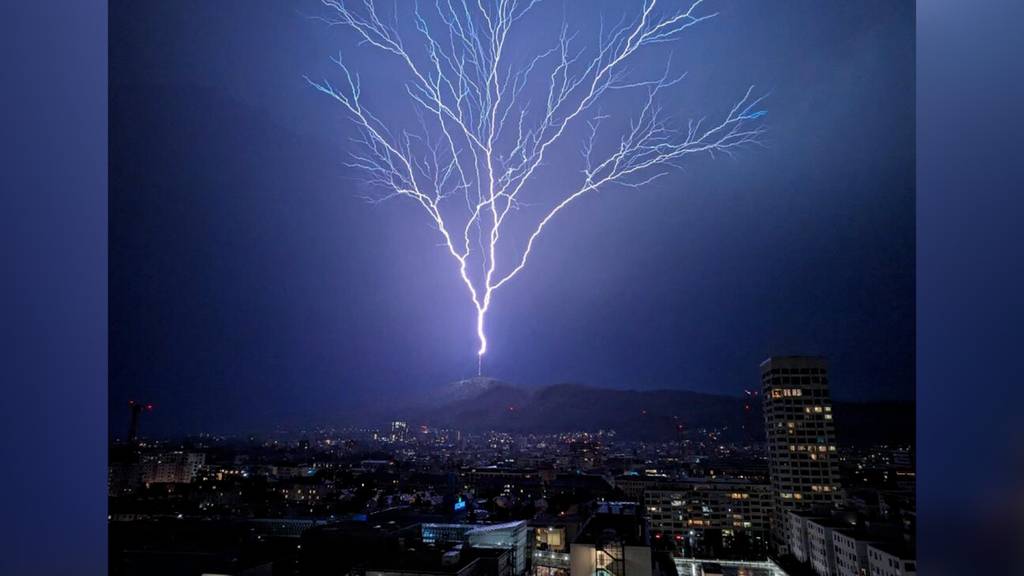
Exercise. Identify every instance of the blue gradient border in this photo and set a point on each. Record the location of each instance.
(970, 281)
(53, 333)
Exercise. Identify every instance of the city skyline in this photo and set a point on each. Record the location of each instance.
(401, 498)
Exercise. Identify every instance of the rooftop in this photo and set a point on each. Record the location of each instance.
(894, 548)
(629, 529)
(430, 561)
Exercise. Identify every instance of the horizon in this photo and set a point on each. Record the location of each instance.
(379, 418)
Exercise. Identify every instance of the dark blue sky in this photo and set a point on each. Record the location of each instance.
(250, 286)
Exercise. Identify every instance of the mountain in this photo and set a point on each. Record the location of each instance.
(467, 389)
(479, 404)
(472, 404)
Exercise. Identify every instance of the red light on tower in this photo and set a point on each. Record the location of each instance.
(136, 408)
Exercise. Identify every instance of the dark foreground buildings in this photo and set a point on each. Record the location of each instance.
(412, 500)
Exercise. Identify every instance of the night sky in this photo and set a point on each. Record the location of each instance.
(251, 287)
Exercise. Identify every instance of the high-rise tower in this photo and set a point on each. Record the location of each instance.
(802, 461)
(133, 429)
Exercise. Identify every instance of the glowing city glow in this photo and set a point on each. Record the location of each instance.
(482, 134)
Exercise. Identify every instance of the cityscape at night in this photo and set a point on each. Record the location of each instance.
(774, 489)
(512, 288)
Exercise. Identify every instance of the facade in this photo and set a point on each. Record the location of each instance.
(172, 467)
(634, 486)
(890, 561)
(694, 567)
(510, 536)
(123, 478)
(444, 533)
(851, 553)
(399, 431)
(821, 552)
(720, 518)
(614, 542)
(796, 543)
(841, 545)
(459, 562)
(801, 439)
(306, 491)
(551, 540)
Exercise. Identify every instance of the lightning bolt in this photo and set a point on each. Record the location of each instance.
(480, 140)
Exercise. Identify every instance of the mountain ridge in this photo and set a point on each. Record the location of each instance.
(482, 404)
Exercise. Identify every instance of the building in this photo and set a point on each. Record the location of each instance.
(694, 567)
(821, 551)
(552, 535)
(851, 550)
(712, 518)
(840, 544)
(796, 539)
(305, 490)
(399, 431)
(613, 542)
(634, 485)
(801, 439)
(510, 536)
(189, 546)
(502, 481)
(890, 560)
(810, 540)
(123, 477)
(172, 467)
(351, 546)
(460, 561)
